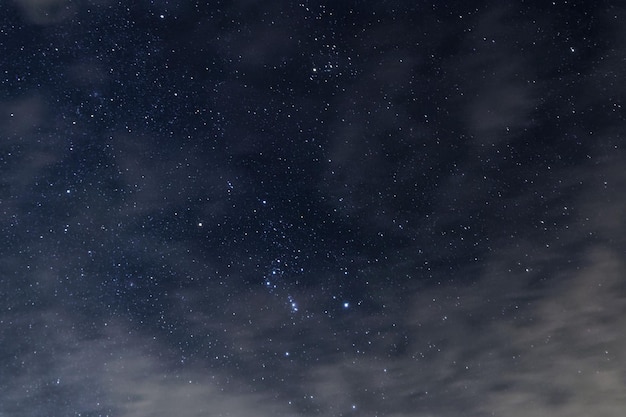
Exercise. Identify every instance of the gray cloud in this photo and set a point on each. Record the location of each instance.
(497, 79)
(46, 12)
(566, 358)
(533, 328)
(522, 339)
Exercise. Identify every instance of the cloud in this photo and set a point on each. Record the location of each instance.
(565, 358)
(534, 328)
(46, 12)
(112, 370)
(497, 77)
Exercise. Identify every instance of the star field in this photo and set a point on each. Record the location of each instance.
(381, 209)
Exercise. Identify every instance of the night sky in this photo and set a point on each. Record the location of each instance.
(312, 208)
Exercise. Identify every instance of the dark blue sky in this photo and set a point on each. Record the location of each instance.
(390, 209)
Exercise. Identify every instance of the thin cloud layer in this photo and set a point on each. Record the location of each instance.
(339, 216)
